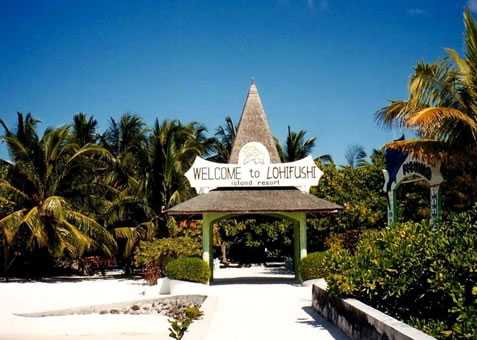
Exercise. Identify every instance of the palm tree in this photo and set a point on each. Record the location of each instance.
(127, 135)
(442, 104)
(43, 175)
(136, 211)
(355, 156)
(83, 130)
(126, 140)
(173, 148)
(223, 141)
(324, 159)
(296, 146)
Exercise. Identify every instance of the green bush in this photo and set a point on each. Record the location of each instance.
(315, 265)
(191, 269)
(423, 275)
(159, 252)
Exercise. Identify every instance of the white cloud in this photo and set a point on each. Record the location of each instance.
(472, 5)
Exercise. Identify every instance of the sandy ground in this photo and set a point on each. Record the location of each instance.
(252, 303)
(265, 303)
(26, 297)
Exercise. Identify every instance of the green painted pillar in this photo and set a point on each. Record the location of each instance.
(392, 207)
(207, 254)
(436, 208)
(299, 242)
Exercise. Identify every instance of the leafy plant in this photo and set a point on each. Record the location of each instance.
(191, 269)
(159, 252)
(358, 190)
(313, 266)
(424, 275)
(182, 320)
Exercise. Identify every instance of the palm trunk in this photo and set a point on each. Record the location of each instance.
(223, 248)
(5, 260)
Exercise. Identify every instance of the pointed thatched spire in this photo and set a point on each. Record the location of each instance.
(253, 127)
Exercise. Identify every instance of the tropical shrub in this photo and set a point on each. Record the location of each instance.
(320, 265)
(191, 269)
(426, 276)
(358, 190)
(348, 240)
(182, 319)
(314, 266)
(159, 252)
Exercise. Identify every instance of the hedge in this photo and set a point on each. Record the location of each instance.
(191, 269)
(312, 266)
(424, 275)
(159, 252)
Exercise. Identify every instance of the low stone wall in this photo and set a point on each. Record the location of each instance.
(360, 321)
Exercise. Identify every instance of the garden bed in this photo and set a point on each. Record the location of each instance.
(168, 306)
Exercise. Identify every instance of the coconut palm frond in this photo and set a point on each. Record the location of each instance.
(91, 150)
(470, 40)
(324, 159)
(441, 105)
(130, 235)
(426, 149)
(10, 224)
(102, 238)
(461, 63)
(34, 223)
(79, 240)
(9, 190)
(432, 118)
(54, 206)
(16, 149)
(355, 156)
(395, 113)
(84, 129)
(296, 146)
(147, 230)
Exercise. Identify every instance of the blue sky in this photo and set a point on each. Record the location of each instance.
(321, 65)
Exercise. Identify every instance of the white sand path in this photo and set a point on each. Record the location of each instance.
(265, 303)
(251, 303)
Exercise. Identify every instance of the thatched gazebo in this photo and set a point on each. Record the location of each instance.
(284, 201)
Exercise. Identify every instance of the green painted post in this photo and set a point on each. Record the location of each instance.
(207, 254)
(299, 241)
(392, 207)
(436, 209)
(296, 248)
(303, 251)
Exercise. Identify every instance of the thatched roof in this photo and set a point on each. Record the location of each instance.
(249, 201)
(253, 127)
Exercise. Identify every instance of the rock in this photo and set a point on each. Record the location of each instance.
(103, 312)
(114, 311)
(135, 307)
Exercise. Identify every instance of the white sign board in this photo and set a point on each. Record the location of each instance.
(413, 167)
(253, 170)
